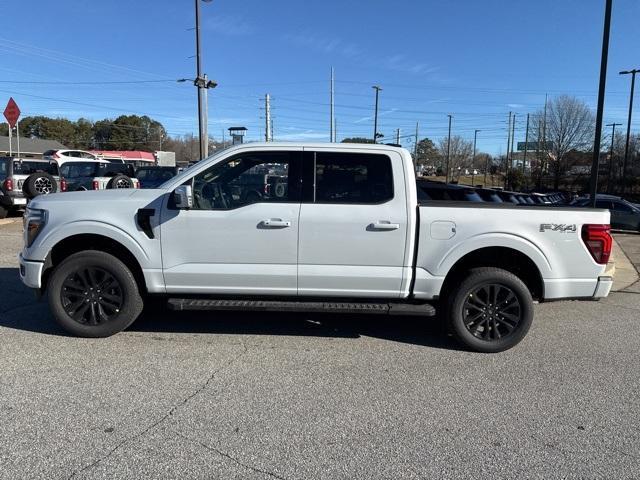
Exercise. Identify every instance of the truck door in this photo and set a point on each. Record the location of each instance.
(353, 224)
(241, 236)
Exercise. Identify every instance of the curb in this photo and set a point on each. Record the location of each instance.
(7, 221)
(625, 272)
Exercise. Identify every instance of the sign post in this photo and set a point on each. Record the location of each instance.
(12, 114)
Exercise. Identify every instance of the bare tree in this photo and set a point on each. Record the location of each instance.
(569, 126)
(460, 154)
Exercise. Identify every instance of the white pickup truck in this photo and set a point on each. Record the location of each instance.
(347, 234)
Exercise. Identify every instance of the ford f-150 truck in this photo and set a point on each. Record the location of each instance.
(350, 233)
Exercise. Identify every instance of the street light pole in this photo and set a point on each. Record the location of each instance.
(626, 145)
(601, 91)
(446, 178)
(375, 116)
(473, 159)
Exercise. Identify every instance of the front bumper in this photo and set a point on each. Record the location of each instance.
(603, 287)
(31, 272)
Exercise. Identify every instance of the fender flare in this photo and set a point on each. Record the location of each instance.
(495, 239)
(92, 227)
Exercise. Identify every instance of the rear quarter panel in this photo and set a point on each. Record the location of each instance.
(565, 264)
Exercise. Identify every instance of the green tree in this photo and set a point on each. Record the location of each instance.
(427, 152)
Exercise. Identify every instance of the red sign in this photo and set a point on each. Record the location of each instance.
(12, 112)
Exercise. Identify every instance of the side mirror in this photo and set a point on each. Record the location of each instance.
(183, 197)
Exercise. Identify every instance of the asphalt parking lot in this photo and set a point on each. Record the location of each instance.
(313, 396)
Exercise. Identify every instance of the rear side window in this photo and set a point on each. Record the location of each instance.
(352, 178)
(4, 165)
(27, 168)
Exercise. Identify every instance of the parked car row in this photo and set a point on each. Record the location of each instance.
(625, 215)
(69, 170)
(430, 190)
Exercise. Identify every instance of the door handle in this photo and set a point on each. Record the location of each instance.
(274, 223)
(384, 225)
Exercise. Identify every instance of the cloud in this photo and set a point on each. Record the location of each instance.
(228, 25)
(332, 45)
(515, 105)
(380, 114)
(306, 135)
(402, 63)
(327, 45)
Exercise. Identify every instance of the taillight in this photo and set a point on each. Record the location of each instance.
(137, 184)
(63, 185)
(8, 184)
(598, 240)
(95, 185)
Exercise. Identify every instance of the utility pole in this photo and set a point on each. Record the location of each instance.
(601, 92)
(415, 147)
(267, 116)
(446, 178)
(473, 158)
(332, 133)
(626, 145)
(613, 137)
(526, 147)
(375, 116)
(513, 138)
(397, 136)
(506, 161)
(201, 124)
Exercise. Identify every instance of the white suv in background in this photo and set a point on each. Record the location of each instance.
(62, 156)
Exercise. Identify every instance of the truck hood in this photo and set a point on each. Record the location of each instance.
(97, 200)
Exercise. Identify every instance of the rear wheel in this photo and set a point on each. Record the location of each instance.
(93, 294)
(491, 310)
(3, 212)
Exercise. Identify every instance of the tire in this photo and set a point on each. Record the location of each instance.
(474, 319)
(120, 181)
(3, 212)
(99, 275)
(39, 184)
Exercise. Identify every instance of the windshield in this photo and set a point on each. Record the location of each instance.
(27, 167)
(113, 169)
(472, 196)
(186, 173)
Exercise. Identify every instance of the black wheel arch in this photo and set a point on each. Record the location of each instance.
(505, 258)
(82, 242)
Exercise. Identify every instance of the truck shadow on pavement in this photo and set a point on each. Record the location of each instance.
(20, 310)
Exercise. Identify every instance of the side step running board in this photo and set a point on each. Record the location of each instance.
(281, 306)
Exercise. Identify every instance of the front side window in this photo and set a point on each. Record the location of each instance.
(352, 178)
(254, 177)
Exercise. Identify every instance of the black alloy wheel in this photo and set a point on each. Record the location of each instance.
(492, 312)
(91, 296)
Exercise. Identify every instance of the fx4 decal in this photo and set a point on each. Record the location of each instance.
(558, 227)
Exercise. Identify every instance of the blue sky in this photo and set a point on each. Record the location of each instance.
(476, 60)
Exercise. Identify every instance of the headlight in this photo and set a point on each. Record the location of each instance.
(35, 220)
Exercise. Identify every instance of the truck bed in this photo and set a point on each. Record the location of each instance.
(549, 236)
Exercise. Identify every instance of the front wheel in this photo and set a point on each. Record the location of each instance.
(491, 310)
(93, 294)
